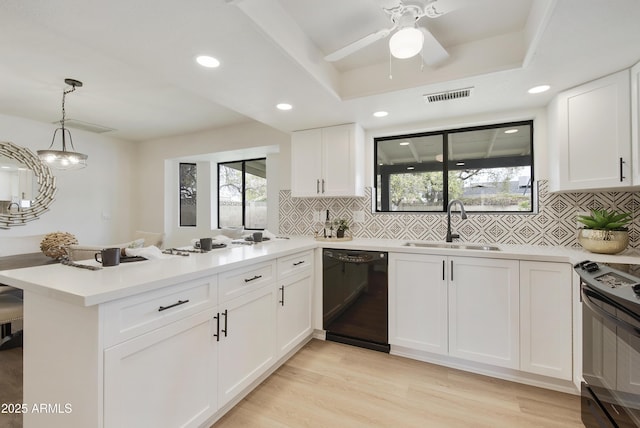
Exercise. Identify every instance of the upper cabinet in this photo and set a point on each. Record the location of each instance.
(590, 136)
(328, 161)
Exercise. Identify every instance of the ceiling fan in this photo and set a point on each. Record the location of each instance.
(408, 39)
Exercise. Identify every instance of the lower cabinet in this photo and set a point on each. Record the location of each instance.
(179, 371)
(546, 319)
(464, 307)
(247, 341)
(506, 313)
(294, 311)
(165, 378)
(484, 310)
(418, 302)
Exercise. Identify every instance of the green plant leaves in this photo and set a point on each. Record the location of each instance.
(605, 220)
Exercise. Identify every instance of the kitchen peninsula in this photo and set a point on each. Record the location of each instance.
(169, 342)
(179, 341)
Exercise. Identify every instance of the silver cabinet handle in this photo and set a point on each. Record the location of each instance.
(323, 185)
(282, 296)
(318, 185)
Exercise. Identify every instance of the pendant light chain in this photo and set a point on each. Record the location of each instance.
(64, 112)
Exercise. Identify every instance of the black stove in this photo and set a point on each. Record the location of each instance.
(622, 286)
(610, 299)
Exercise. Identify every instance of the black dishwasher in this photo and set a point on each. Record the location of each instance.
(355, 298)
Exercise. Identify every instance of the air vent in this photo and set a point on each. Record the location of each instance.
(448, 95)
(85, 126)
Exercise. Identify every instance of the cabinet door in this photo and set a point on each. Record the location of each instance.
(306, 162)
(247, 342)
(294, 312)
(341, 161)
(483, 310)
(545, 319)
(591, 132)
(635, 122)
(418, 302)
(151, 381)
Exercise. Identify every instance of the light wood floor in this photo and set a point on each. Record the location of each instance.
(328, 384)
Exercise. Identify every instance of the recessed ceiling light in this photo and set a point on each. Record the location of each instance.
(405, 143)
(539, 89)
(510, 131)
(380, 113)
(284, 106)
(207, 61)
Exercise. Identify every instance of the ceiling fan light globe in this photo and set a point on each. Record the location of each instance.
(406, 43)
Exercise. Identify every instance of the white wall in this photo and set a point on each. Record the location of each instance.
(94, 203)
(156, 175)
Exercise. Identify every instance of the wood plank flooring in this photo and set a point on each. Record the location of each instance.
(329, 384)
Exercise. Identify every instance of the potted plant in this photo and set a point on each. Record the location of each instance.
(604, 231)
(341, 226)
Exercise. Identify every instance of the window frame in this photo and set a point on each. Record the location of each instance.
(180, 194)
(244, 196)
(445, 133)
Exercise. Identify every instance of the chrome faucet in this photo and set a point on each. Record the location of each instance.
(11, 204)
(463, 215)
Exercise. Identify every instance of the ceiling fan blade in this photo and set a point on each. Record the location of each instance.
(441, 7)
(358, 44)
(433, 52)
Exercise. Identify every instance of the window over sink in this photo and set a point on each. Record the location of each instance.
(489, 168)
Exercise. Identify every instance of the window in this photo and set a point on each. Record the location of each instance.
(188, 194)
(488, 168)
(242, 194)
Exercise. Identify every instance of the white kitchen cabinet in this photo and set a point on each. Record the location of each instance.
(295, 282)
(635, 122)
(418, 302)
(484, 310)
(590, 136)
(247, 340)
(464, 307)
(165, 378)
(546, 319)
(328, 161)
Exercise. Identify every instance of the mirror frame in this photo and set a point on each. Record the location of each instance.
(46, 181)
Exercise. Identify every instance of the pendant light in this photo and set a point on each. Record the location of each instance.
(64, 159)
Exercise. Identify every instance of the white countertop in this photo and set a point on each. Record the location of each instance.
(91, 287)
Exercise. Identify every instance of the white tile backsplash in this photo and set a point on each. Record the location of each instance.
(554, 224)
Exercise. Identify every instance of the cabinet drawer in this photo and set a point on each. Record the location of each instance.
(243, 280)
(129, 317)
(295, 264)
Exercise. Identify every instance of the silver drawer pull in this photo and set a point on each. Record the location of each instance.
(298, 263)
(178, 303)
(252, 279)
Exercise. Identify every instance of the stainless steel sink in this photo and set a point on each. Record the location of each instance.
(481, 247)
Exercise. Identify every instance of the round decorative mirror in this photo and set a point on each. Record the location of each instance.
(27, 187)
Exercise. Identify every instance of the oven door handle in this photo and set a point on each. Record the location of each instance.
(588, 296)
